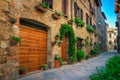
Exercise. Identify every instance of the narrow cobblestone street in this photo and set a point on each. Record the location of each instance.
(79, 71)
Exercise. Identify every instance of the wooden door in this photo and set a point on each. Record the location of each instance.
(33, 48)
(64, 47)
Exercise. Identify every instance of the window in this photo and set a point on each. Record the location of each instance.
(76, 9)
(90, 21)
(110, 42)
(81, 14)
(79, 44)
(49, 2)
(65, 7)
(110, 35)
(87, 17)
(114, 33)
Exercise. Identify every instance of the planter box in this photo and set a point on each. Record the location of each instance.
(55, 16)
(41, 8)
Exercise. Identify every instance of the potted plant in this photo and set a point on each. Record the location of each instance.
(43, 6)
(23, 70)
(44, 67)
(57, 36)
(56, 15)
(12, 20)
(90, 28)
(60, 42)
(78, 21)
(15, 40)
(56, 62)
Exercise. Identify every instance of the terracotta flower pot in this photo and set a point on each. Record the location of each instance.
(22, 72)
(53, 43)
(14, 42)
(57, 64)
(41, 8)
(55, 16)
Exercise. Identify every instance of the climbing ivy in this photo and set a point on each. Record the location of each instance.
(67, 29)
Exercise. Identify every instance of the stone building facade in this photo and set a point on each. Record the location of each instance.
(101, 24)
(111, 38)
(38, 30)
(117, 11)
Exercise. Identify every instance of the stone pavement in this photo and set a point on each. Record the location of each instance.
(78, 71)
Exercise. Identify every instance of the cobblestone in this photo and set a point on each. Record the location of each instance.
(79, 71)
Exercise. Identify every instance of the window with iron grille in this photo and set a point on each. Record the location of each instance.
(49, 2)
(65, 7)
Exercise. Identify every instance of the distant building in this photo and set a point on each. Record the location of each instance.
(111, 38)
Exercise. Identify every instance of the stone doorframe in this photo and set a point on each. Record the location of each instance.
(49, 53)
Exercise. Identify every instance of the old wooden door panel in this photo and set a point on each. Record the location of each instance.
(64, 49)
(33, 48)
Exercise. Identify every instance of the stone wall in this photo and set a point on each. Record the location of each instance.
(8, 53)
(25, 9)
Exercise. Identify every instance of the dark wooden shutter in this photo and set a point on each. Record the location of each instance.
(75, 9)
(86, 18)
(82, 14)
(49, 2)
(90, 21)
(65, 7)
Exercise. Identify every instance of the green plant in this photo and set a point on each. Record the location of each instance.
(23, 69)
(88, 56)
(17, 39)
(94, 51)
(44, 66)
(58, 13)
(80, 55)
(60, 60)
(78, 21)
(56, 57)
(86, 42)
(44, 4)
(111, 71)
(90, 28)
(67, 29)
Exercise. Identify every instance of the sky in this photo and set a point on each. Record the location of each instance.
(108, 9)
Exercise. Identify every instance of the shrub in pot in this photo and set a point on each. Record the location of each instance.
(56, 61)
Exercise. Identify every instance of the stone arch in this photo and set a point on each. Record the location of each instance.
(43, 27)
(65, 28)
